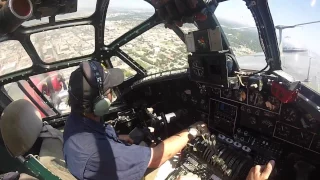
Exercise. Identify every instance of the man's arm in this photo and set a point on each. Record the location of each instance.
(171, 146)
(168, 148)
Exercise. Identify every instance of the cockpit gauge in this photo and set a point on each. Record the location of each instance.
(256, 99)
(227, 93)
(282, 131)
(272, 104)
(216, 91)
(253, 120)
(197, 69)
(203, 104)
(303, 138)
(194, 101)
(203, 89)
(267, 123)
(184, 97)
(240, 95)
(289, 115)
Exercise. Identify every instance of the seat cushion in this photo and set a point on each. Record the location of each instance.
(51, 156)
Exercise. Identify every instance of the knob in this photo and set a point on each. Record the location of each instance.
(237, 144)
(245, 133)
(239, 130)
(247, 149)
(221, 136)
(219, 161)
(230, 141)
(228, 172)
(235, 136)
(224, 167)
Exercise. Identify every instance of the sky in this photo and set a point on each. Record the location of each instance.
(284, 12)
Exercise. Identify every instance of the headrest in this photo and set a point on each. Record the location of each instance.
(20, 126)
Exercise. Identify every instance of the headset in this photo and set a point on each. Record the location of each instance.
(101, 104)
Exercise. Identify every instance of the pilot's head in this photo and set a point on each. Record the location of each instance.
(90, 88)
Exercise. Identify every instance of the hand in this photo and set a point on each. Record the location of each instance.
(261, 172)
(126, 138)
(179, 11)
(201, 127)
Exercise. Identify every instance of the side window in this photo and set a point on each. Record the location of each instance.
(54, 86)
(127, 70)
(159, 49)
(22, 90)
(123, 15)
(13, 57)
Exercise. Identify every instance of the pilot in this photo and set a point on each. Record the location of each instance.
(93, 150)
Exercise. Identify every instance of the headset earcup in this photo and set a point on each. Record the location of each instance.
(101, 107)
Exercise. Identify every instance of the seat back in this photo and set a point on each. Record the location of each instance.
(20, 126)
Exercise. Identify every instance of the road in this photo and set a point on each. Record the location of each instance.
(295, 63)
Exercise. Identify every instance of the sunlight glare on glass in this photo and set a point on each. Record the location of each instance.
(313, 3)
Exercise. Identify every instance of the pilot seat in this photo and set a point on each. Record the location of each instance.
(34, 143)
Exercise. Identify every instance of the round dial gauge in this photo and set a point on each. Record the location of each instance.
(289, 115)
(272, 104)
(256, 99)
(240, 95)
(184, 97)
(282, 131)
(197, 68)
(227, 93)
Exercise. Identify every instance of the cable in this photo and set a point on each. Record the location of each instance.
(260, 70)
(240, 80)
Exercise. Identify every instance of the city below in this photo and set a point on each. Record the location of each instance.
(156, 50)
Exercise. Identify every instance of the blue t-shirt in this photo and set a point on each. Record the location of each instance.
(93, 151)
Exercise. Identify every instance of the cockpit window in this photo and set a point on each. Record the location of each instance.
(123, 15)
(64, 43)
(127, 70)
(13, 57)
(22, 90)
(54, 86)
(159, 49)
(85, 9)
(240, 29)
(297, 27)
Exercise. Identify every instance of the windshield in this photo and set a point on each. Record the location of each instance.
(298, 27)
(240, 29)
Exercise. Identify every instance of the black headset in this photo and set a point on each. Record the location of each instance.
(101, 104)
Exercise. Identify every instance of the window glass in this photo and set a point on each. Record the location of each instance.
(13, 57)
(64, 43)
(127, 70)
(239, 26)
(159, 49)
(298, 33)
(123, 15)
(84, 9)
(54, 86)
(22, 90)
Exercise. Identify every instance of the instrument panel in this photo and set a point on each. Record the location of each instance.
(226, 109)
